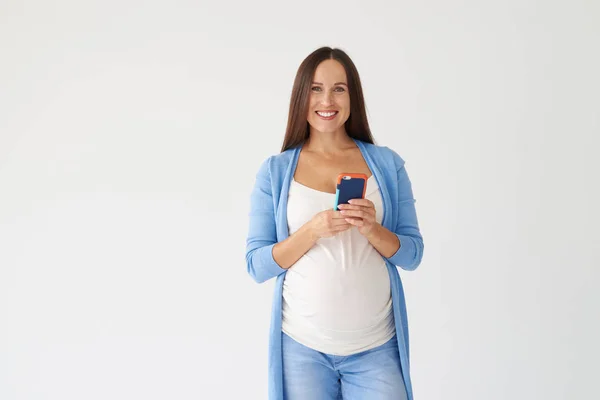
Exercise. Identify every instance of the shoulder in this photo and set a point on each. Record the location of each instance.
(276, 163)
(384, 154)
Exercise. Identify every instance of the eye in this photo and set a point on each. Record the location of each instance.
(341, 89)
(316, 89)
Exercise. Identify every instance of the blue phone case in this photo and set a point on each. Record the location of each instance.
(349, 186)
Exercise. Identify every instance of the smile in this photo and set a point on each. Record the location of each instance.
(328, 115)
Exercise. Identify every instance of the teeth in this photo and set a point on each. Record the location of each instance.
(326, 114)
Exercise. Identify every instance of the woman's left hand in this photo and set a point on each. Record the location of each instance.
(360, 213)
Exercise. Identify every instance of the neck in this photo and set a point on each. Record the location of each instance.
(328, 142)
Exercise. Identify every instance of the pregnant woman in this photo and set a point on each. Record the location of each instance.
(339, 325)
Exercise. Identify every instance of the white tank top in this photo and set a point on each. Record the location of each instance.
(336, 297)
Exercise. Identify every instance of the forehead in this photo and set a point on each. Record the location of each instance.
(330, 71)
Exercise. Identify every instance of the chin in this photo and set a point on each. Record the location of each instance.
(326, 128)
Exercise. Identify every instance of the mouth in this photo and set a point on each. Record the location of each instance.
(326, 115)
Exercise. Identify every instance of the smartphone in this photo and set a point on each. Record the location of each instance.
(349, 186)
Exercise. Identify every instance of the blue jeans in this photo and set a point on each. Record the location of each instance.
(372, 375)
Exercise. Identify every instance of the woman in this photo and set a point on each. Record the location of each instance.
(339, 325)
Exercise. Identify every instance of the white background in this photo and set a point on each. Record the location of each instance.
(130, 136)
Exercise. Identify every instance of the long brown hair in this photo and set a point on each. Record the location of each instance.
(357, 125)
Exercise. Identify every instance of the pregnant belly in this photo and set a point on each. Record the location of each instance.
(335, 291)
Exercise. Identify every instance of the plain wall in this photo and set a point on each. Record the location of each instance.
(130, 136)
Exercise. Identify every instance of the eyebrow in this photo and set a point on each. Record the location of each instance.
(337, 83)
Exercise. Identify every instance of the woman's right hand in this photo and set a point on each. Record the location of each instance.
(324, 224)
(327, 224)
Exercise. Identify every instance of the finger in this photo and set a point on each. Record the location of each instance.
(355, 221)
(361, 202)
(338, 222)
(358, 213)
(357, 207)
(337, 215)
(343, 227)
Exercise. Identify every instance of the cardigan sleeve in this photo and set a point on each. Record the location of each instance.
(410, 253)
(262, 233)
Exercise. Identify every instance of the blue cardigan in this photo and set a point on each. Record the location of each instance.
(268, 226)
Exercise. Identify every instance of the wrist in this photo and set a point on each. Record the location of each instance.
(311, 232)
(374, 233)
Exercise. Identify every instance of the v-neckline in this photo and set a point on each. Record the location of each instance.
(297, 156)
(282, 208)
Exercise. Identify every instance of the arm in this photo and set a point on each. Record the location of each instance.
(265, 257)
(403, 246)
(288, 251)
(385, 241)
(262, 233)
(410, 251)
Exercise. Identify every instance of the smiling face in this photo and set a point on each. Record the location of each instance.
(329, 102)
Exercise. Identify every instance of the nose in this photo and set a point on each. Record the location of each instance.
(326, 100)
